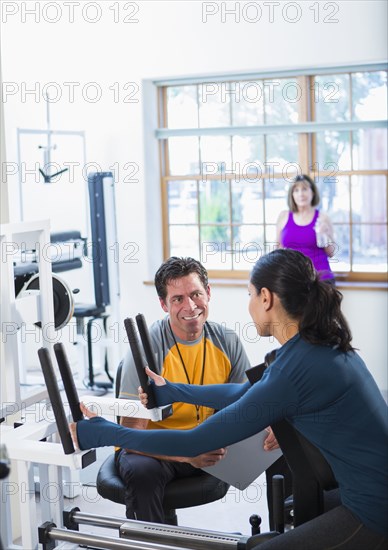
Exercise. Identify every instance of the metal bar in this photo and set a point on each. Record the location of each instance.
(110, 522)
(105, 542)
(56, 402)
(303, 127)
(188, 537)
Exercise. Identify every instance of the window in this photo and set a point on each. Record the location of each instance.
(230, 148)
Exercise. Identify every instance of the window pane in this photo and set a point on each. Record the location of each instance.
(214, 202)
(370, 149)
(370, 248)
(184, 155)
(282, 97)
(369, 199)
(270, 237)
(333, 150)
(214, 105)
(369, 92)
(184, 240)
(330, 97)
(247, 103)
(216, 155)
(341, 258)
(335, 197)
(248, 245)
(182, 202)
(215, 247)
(247, 202)
(282, 149)
(182, 107)
(276, 191)
(248, 155)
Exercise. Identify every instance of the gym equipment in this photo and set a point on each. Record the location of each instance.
(144, 535)
(151, 536)
(38, 305)
(106, 287)
(62, 298)
(137, 356)
(179, 493)
(4, 470)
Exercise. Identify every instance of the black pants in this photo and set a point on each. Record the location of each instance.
(337, 529)
(145, 479)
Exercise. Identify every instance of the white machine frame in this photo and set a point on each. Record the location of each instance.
(34, 235)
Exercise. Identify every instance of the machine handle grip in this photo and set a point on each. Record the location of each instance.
(56, 402)
(68, 381)
(278, 502)
(146, 341)
(134, 343)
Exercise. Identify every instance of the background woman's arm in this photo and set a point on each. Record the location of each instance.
(281, 222)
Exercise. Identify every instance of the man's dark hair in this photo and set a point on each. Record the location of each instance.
(175, 268)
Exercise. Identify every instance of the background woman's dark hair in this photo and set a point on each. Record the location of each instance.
(299, 179)
(316, 305)
(175, 268)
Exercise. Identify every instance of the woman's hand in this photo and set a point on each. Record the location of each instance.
(87, 412)
(159, 381)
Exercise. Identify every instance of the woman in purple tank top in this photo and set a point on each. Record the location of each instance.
(304, 228)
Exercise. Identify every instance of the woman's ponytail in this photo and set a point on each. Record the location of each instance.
(315, 304)
(322, 321)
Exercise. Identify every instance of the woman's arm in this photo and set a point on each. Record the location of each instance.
(214, 396)
(264, 403)
(281, 222)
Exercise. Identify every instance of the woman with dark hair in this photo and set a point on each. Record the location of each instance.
(305, 228)
(317, 382)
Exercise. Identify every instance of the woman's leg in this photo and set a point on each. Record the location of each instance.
(334, 530)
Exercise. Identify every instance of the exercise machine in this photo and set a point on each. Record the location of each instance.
(136, 534)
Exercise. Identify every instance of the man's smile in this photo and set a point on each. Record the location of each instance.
(193, 317)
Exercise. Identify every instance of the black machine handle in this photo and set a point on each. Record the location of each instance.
(278, 502)
(146, 341)
(68, 381)
(56, 402)
(134, 343)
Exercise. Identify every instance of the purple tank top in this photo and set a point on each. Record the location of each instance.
(303, 239)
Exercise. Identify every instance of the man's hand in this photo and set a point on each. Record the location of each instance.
(207, 459)
(270, 442)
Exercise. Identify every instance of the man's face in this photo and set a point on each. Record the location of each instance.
(187, 303)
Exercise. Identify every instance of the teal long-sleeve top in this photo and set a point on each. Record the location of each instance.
(328, 395)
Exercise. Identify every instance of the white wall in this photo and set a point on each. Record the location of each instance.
(171, 39)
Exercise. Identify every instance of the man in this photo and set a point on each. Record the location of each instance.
(189, 349)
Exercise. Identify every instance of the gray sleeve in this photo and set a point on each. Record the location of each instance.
(129, 378)
(235, 351)
(238, 357)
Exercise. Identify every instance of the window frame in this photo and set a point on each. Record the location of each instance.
(305, 130)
